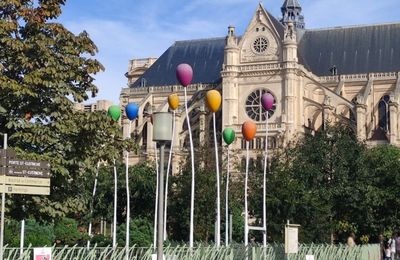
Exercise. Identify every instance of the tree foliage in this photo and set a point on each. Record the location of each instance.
(43, 69)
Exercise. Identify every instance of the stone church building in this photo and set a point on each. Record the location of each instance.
(316, 76)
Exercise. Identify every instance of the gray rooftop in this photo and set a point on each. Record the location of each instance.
(353, 50)
(206, 57)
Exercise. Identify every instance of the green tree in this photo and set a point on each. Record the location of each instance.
(43, 69)
(313, 184)
(141, 232)
(66, 232)
(205, 198)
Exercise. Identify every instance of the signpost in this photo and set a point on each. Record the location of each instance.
(22, 177)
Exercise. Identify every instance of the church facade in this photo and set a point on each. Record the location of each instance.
(316, 76)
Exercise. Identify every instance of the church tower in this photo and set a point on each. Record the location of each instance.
(291, 13)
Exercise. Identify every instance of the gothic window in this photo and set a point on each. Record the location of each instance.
(384, 113)
(254, 107)
(144, 136)
(260, 45)
(259, 143)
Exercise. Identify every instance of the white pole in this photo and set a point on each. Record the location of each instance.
(166, 179)
(91, 208)
(128, 199)
(156, 202)
(264, 184)
(218, 228)
(227, 203)
(193, 174)
(246, 226)
(160, 219)
(115, 207)
(21, 245)
(3, 202)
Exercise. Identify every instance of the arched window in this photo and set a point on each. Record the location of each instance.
(384, 113)
(144, 136)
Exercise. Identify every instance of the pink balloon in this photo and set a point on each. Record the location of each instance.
(267, 101)
(184, 73)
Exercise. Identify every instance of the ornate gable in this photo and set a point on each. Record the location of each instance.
(261, 41)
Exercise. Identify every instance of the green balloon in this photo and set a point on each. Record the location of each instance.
(229, 135)
(114, 112)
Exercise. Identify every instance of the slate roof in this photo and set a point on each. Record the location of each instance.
(353, 50)
(206, 57)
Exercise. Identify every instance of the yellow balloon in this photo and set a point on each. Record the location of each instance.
(213, 99)
(173, 101)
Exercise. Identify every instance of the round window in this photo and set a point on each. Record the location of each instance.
(260, 45)
(254, 107)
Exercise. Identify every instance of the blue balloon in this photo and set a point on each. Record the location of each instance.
(132, 111)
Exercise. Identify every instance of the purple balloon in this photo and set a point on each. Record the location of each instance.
(184, 73)
(267, 101)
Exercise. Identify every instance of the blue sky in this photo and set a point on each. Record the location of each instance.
(126, 29)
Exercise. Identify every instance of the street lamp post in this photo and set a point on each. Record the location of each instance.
(162, 132)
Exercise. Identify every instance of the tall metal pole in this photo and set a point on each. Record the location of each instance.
(21, 242)
(246, 217)
(3, 202)
(227, 204)
(115, 207)
(264, 184)
(91, 206)
(166, 178)
(128, 199)
(191, 228)
(160, 219)
(156, 201)
(218, 227)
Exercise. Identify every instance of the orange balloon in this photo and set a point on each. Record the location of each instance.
(213, 100)
(249, 130)
(173, 101)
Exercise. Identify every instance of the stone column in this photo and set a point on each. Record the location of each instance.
(361, 127)
(125, 128)
(230, 91)
(393, 108)
(290, 80)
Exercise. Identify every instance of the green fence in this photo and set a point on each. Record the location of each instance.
(272, 252)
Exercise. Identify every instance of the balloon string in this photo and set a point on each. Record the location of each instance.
(227, 204)
(156, 202)
(218, 231)
(193, 175)
(265, 184)
(166, 180)
(246, 232)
